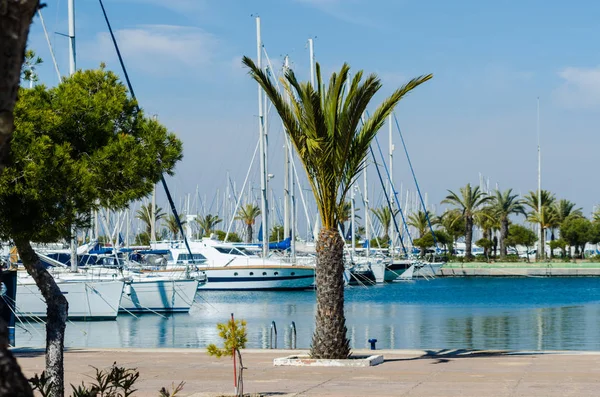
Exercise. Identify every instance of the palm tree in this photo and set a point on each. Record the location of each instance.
(453, 224)
(564, 208)
(419, 221)
(172, 226)
(207, 223)
(469, 203)
(345, 214)
(324, 124)
(543, 216)
(486, 219)
(504, 205)
(384, 216)
(144, 214)
(248, 214)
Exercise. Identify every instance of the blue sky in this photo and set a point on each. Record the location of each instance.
(490, 61)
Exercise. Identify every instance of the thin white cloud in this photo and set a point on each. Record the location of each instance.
(160, 48)
(580, 87)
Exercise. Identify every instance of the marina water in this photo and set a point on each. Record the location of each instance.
(444, 313)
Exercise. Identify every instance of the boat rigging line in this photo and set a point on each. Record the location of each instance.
(162, 178)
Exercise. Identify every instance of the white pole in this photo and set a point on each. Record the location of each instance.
(72, 54)
(390, 187)
(71, 11)
(311, 53)
(286, 178)
(366, 198)
(263, 171)
(153, 217)
(541, 247)
(127, 228)
(352, 225)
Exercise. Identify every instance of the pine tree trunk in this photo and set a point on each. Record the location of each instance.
(468, 237)
(15, 18)
(329, 340)
(56, 315)
(503, 237)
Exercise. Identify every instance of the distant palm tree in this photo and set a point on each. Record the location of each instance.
(384, 216)
(486, 219)
(207, 223)
(248, 214)
(172, 226)
(596, 216)
(504, 205)
(564, 208)
(345, 214)
(545, 216)
(324, 125)
(453, 223)
(418, 220)
(145, 215)
(469, 203)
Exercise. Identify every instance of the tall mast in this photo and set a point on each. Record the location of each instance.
(390, 187)
(72, 57)
(261, 137)
(286, 176)
(71, 10)
(352, 225)
(541, 247)
(153, 216)
(311, 53)
(366, 198)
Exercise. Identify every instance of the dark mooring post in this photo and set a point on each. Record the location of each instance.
(8, 296)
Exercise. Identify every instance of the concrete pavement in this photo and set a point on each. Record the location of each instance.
(404, 373)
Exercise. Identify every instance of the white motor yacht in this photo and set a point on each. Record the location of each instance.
(228, 267)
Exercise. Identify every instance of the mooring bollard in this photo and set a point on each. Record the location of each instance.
(372, 342)
(273, 330)
(293, 335)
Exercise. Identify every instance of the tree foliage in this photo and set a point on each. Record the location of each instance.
(520, 235)
(234, 338)
(327, 127)
(76, 147)
(207, 223)
(469, 202)
(144, 214)
(577, 231)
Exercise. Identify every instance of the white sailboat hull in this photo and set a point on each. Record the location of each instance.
(258, 278)
(161, 295)
(87, 300)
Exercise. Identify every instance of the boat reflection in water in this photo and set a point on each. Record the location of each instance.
(507, 314)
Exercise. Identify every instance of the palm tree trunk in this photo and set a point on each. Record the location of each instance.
(486, 249)
(329, 340)
(57, 315)
(503, 237)
(249, 233)
(468, 237)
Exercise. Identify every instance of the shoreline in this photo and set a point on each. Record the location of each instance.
(437, 372)
(520, 269)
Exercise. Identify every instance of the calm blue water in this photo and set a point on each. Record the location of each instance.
(473, 313)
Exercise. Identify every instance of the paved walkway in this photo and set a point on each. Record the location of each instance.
(404, 373)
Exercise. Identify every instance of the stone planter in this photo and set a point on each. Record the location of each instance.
(306, 361)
